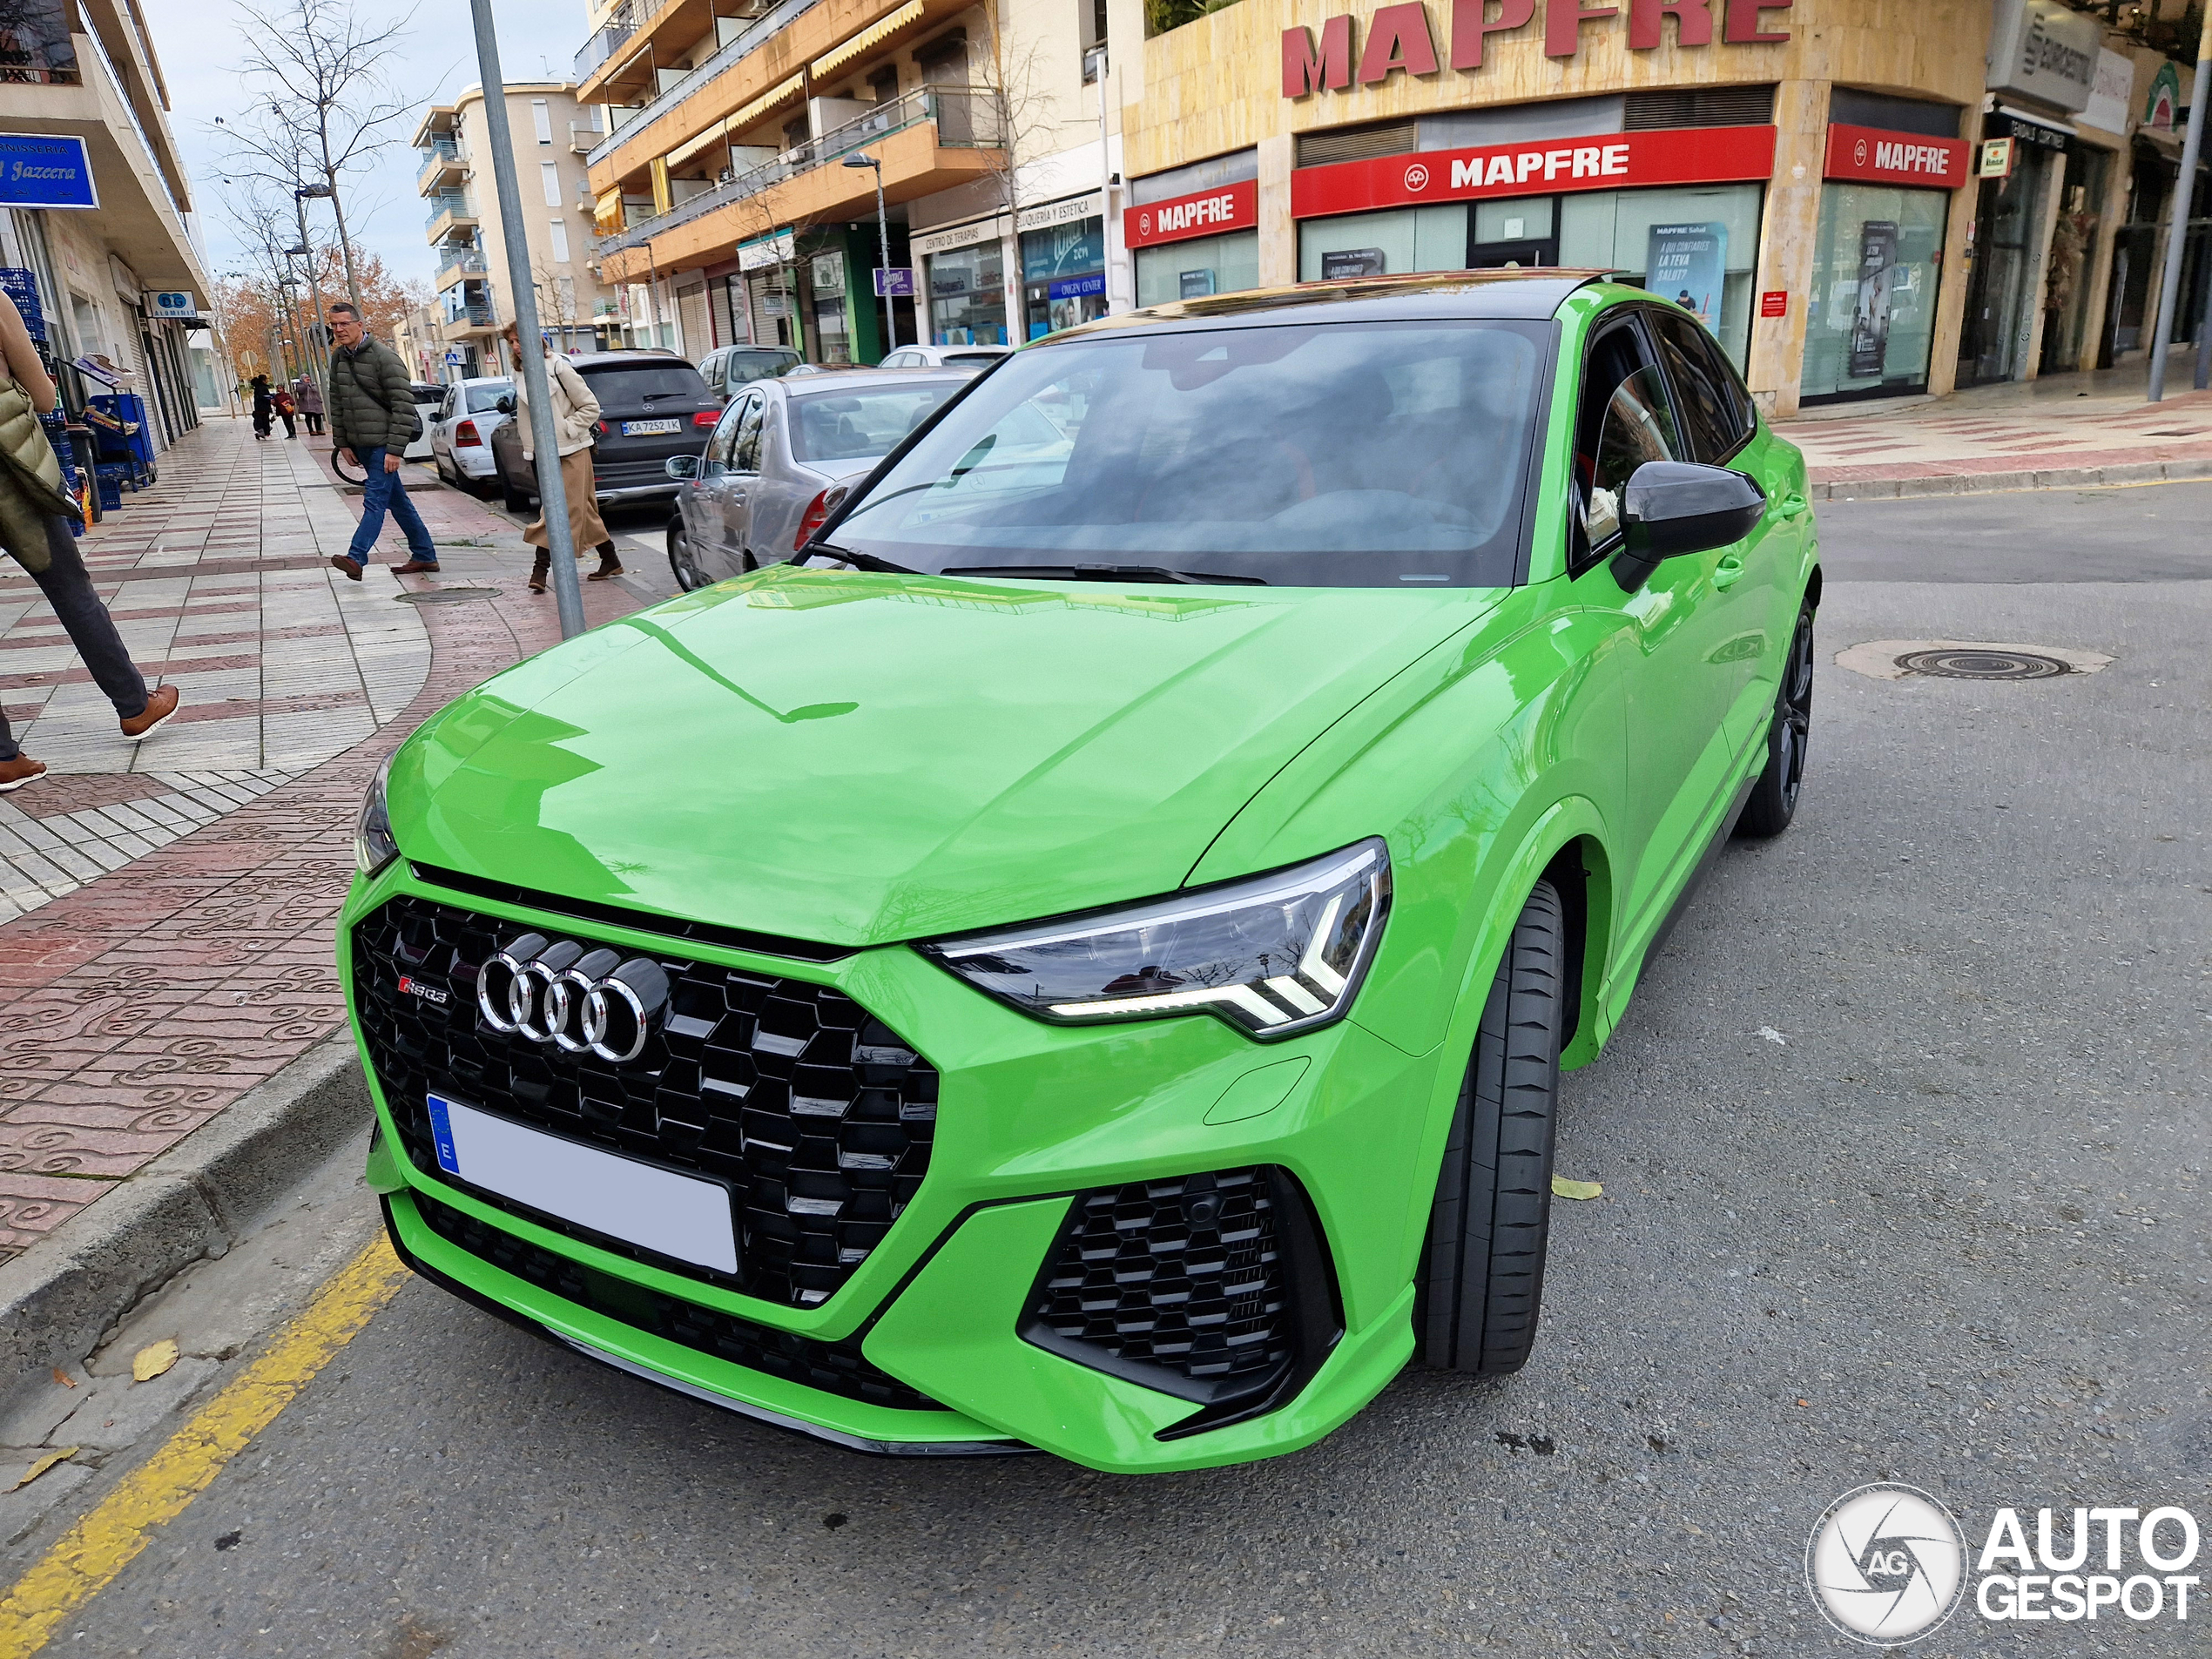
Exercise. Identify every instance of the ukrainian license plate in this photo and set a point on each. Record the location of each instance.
(650, 429)
(678, 1214)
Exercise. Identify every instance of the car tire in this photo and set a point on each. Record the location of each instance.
(681, 565)
(1482, 1268)
(513, 499)
(1773, 800)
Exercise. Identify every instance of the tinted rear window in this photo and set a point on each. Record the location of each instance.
(487, 396)
(429, 394)
(852, 425)
(626, 385)
(961, 359)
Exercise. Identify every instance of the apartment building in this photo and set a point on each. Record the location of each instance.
(475, 302)
(735, 191)
(98, 247)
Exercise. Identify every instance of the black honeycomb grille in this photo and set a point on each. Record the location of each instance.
(834, 1368)
(818, 1115)
(1183, 1276)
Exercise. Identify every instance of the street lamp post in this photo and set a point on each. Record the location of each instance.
(883, 250)
(568, 592)
(2169, 289)
(300, 203)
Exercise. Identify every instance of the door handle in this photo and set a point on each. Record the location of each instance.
(1727, 573)
(737, 495)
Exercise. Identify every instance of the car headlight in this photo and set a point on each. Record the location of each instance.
(1271, 955)
(373, 845)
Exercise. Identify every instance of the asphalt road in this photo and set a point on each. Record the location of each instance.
(1904, 1148)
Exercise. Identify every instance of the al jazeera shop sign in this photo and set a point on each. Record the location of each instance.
(1404, 37)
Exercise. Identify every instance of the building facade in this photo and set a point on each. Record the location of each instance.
(96, 212)
(736, 187)
(1880, 199)
(463, 223)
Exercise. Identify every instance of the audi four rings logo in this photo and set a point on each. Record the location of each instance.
(583, 1001)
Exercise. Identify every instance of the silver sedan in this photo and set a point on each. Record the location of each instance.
(781, 457)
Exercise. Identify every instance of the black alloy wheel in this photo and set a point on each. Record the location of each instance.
(1481, 1277)
(689, 577)
(514, 500)
(1773, 800)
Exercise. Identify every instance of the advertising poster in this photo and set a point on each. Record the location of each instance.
(1196, 285)
(1870, 327)
(1687, 264)
(1352, 262)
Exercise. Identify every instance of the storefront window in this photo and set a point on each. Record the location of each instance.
(968, 296)
(1063, 276)
(1193, 269)
(1391, 243)
(2009, 236)
(1869, 319)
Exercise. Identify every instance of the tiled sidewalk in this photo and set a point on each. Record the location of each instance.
(1956, 439)
(138, 1005)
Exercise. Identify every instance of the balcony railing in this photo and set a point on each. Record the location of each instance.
(439, 157)
(455, 266)
(445, 202)
(481, 315)
(966, 117)
(602, 45)
(583, 140)
(770, 22)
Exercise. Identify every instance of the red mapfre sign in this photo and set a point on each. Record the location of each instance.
(1232, 207)
(1608, 161)
(1874, 156)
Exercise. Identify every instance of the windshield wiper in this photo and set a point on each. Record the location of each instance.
(1108, 573)
(858, 561)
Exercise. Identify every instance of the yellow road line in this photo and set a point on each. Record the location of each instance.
(86, 1558)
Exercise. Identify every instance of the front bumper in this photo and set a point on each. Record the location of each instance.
(941, 1336)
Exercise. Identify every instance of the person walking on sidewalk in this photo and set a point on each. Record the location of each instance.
(34, 531)
(575, 426)
(264, 407)
(282, 398)
(371, 404)
(307, 396)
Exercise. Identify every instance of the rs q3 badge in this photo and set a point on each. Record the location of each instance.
(428, 993)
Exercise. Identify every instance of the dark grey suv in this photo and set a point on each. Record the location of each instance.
(652, 405)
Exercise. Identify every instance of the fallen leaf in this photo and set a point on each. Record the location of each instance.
(1805, 1402)
(1773, 1035)
(1563, 1188)
(43, 1465)
(151, 1361)
(64, 1377)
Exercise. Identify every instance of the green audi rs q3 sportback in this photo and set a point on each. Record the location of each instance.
(1081, 957)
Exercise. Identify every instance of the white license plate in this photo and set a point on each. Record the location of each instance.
(658, 1210)
(650, 429)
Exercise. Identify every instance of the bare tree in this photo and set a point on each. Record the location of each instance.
(1018, 111)
(321, 110)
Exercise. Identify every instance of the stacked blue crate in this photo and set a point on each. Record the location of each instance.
(130, 442)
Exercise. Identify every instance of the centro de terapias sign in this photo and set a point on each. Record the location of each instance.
(1399, 38)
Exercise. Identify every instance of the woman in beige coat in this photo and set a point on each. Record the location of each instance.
(575, 424)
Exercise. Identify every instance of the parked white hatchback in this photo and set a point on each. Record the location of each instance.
(461, 430)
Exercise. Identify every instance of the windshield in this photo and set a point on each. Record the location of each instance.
(487, 395)
(859, 426)
(1351, 455)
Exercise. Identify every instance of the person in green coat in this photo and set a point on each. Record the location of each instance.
(371, 405)
(35, 533)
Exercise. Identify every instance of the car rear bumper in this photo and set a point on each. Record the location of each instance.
(951, 1333)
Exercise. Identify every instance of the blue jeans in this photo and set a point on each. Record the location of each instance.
(385, 492)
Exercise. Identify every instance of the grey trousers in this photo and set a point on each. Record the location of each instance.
(68, 587)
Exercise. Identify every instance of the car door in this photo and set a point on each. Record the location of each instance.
(1758, 574)
(735, 489)
(1679, 672)
(442, 427)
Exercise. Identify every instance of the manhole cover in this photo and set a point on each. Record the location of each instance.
(446, 596)
(1982, 662)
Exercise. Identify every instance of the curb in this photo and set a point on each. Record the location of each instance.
(60, 1297)
(1977, 483)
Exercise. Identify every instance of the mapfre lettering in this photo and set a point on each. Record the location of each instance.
(1183, 216)
(1912, 158)
(1521, 167)
(1402, 39)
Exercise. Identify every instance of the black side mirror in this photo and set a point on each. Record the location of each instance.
(1671, 508)
(505, 406)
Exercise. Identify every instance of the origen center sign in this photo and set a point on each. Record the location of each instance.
(1398, 38)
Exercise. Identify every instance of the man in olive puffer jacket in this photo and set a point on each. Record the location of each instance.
(371, 405)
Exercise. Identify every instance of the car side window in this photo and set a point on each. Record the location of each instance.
(723, 445)
(1616, 356)
(1638, 426)
(1710, 416)
(746, 457)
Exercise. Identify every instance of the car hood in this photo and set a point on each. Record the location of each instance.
(855, 758)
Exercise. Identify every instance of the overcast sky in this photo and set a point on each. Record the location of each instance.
(198, 41)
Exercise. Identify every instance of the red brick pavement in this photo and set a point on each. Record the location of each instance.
(135, 1008)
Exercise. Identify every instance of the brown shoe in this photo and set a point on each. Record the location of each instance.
(160, 705)
(416, 566)
(340, 561)
(14, 774)
(604, 571)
